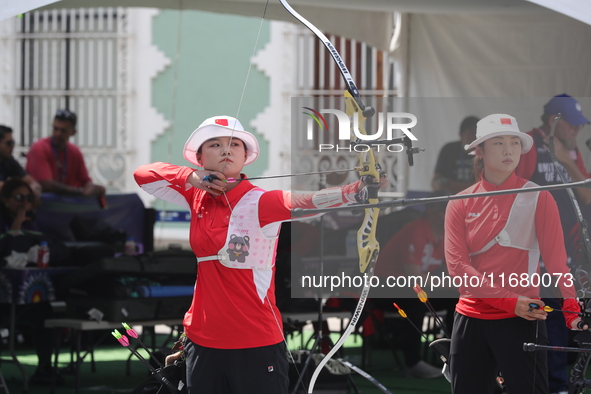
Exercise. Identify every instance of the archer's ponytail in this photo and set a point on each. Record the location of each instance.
(478, 168)
(478, 165)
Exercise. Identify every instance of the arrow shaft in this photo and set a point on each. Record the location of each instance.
(149, 352)
(141, 358)
(232, 180)
(563, 311)
(416, 328)
(550, 309)
(437, 318)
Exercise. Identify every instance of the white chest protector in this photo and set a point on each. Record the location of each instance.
(246, 246)
(520, 230)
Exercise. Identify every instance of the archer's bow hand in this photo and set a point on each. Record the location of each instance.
(369, 187)
(580, 324)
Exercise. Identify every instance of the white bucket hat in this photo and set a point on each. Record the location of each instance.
(220, 126)
(498, 125)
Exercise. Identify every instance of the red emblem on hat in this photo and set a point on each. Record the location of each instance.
(505, 121)
(222, 122)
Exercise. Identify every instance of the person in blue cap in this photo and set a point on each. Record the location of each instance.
(537, 166)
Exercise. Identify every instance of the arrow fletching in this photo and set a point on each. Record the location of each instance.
(400, 311)
(130, 331)
(421, 294)
(121, 338)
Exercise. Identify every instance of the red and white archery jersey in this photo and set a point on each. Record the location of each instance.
(233, 308)
(471, 225)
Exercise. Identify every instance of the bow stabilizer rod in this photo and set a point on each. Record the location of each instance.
(299, 212)
(532, 347)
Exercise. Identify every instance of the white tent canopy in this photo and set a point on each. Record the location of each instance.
(369, 21)
(450, 48)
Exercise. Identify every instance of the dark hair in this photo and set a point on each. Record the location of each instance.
(546, 119)
(478, 165)
(67, 115)
(468, 123)
(4, 130)
(11, 185)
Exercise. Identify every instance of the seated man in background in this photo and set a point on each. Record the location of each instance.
(9, 167)
(453, 171)
(58, 164)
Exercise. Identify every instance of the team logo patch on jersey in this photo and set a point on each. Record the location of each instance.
(270, 368)
(473, 214)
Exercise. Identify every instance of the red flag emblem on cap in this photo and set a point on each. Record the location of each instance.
(505, 121)
(222, 122)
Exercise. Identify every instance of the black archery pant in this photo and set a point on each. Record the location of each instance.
(480, 348)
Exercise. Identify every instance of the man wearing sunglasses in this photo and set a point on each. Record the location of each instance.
(9, 166)
(58, 164)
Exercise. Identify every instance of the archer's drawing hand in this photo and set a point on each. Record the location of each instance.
(210, 181)
(524, 310)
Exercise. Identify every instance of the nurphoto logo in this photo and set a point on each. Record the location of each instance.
(382, 139)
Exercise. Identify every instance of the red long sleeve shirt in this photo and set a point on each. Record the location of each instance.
(226, 311)
(414, 244)
(471, 223)
(67, 166)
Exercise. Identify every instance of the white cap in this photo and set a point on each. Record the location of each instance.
(220, 126)
(498, 125)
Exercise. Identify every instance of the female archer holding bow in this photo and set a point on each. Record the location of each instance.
(235, 341)
(499, 240)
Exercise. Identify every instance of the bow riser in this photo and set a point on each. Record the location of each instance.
(367, 244)
(369, 248)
